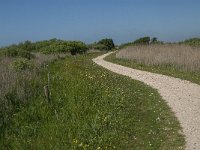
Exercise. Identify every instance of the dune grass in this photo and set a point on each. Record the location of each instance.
(179, 61)
(92, 108)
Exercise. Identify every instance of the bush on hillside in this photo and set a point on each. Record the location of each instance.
(77, 47)
(143, 41)
(47, 47)
(10, 52)
(106, 44)
(16, 52)
(192, 42)
(22, 64)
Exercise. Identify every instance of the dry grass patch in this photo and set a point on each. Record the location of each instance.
(182, 57)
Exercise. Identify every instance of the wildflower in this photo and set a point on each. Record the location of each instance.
(75, 141)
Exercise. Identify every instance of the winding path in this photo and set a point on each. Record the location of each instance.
(182, 96)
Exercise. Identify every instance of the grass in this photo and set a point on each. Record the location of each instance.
(179, 61)
(19, 87)
(92, 108)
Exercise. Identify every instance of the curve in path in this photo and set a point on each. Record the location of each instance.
(182, 96)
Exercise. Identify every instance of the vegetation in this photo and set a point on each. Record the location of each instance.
(180, 61)
(192, 42)
(49, 46)
(142, 41)
(103, 45)
(20, 84)
(92, 108)
(22, 64)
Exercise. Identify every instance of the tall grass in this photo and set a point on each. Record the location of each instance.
(181, 57)
(18, 88)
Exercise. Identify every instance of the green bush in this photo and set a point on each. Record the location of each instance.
(17, 52)
(144, 40)
(22, 64)
(100, 47)
(25, 54)
(192, 42)
(47, 47)
(77, 47)
(106, 44)
(10, 52)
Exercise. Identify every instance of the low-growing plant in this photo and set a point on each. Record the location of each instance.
(25, 54)
(22, 64)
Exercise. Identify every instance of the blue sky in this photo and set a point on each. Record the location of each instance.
(91, 20)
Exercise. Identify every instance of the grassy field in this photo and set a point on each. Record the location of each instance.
(179, 61)
(91, 108)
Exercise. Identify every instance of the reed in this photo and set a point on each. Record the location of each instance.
(181, 57)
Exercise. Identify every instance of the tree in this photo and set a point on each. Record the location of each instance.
(108, 43)
(143, 40)
(154, 40)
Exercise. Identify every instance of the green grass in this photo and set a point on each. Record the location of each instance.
(92, 108)
(165, 70)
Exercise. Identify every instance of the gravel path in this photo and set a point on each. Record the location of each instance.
(182, 96)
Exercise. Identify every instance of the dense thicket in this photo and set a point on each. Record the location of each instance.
(142, 41)
(104, 44)
(48, 46)
(192, 42)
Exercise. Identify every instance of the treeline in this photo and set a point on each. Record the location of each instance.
(192, 42)
(148, 40)
(142, 41)
(54, 46)
(104, 44)
(48, 46)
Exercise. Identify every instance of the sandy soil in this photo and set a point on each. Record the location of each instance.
(182, 96)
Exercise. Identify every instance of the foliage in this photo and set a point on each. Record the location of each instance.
(192, 42)
(22, 64)
(25, 54)
(76, 47)
(47, 47)
(60, 46)
(21, 50)
(143, 41)
(96, 46)
(107, 44)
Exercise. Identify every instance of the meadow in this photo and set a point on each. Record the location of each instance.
(89, 108)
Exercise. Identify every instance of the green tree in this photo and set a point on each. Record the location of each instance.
(154, 40)
(108, 43)
(143, 40)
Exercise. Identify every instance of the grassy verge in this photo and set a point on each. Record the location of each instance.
(92, 108)
(165, 70)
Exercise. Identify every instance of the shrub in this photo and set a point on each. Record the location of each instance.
(192, 42)
(106, 44)
(77, 47)
(17, 52)
(25, 54)
(22, 64)
(100, 47)
(10, 52)
(143, 41)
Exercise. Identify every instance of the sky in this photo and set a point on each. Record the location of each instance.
(92, 20)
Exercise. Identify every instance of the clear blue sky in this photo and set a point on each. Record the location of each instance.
(91, 20)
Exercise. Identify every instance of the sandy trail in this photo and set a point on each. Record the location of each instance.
(182, 96)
